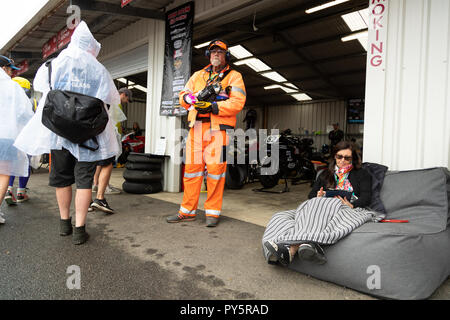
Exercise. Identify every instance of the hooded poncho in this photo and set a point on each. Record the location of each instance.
(75, 69)
(15, 110)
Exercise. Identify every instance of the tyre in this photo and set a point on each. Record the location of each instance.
(140, 176)
(269, 181)
(141, 188)
(235, 176)
(144, 158)
(143, 166)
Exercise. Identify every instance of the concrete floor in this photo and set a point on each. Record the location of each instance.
(135, 254)
(243, 204)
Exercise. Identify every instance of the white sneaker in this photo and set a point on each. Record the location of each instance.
(112, 190)
(1, 214)
(2, 220)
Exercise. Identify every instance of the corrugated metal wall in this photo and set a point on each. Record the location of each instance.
(311, 116)
(135, 112)
(407, 99)
(133, 36)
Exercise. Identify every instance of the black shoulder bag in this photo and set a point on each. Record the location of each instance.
(74, 116)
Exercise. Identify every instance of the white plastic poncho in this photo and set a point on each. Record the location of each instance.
(15, 110)
(75, 69)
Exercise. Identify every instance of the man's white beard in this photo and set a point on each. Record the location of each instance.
(215, 62)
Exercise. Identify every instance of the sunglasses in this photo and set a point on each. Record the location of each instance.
(339, 157)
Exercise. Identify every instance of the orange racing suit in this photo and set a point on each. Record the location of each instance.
(207, 137)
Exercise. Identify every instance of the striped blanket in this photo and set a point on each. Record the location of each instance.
(319, 220)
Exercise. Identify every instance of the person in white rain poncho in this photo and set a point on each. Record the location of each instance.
(75, 69)
(15, 113)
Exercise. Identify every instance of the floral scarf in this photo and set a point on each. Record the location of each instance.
(341, 177)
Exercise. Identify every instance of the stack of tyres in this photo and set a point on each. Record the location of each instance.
(143, 173)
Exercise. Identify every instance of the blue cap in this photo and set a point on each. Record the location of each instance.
(5, 61)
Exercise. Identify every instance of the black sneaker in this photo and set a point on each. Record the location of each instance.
(80, 235)
(280, 251)
(102, 205)
(311, 252)
(91, 208)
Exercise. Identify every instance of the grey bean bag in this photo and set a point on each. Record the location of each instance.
(396, 260)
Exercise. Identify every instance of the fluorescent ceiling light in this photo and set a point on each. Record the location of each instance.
(357, 20)
(325, 5)
(255, 64)
(354, 36)
(301, 96)
(204, 44)
(123, 80)
(139, 87)
(286, 89)
(240, 52)
(274, 76)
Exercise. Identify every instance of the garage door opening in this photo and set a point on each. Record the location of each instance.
(135, 111)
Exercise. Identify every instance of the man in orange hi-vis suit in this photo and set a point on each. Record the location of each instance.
(213, 96)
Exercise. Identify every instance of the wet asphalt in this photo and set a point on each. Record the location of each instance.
(135, 254)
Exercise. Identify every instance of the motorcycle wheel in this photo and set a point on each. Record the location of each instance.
(235, 177)
(269, 181)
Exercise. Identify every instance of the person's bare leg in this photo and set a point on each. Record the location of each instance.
(4, 181)
(82, 201)
(103, 181)
(3, 186)
(97, 174)
(64, 198)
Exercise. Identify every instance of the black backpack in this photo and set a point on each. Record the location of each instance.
(74, 116)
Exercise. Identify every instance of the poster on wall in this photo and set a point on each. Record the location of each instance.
(177, 58)
(355, 111)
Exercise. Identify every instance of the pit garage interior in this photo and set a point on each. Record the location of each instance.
(299, 69)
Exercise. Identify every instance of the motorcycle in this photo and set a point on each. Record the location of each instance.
(131, 143)
(295, 160)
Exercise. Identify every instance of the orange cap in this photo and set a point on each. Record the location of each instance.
(218, 43)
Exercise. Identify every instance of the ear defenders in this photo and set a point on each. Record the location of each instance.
(219, 42)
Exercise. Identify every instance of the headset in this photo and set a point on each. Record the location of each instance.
(227, 54)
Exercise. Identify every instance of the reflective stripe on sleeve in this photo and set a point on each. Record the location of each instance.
(238, 90)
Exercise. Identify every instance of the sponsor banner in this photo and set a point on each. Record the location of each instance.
(63, 37)
(57, 42)
(177, 58)
(376, 51)
(355, 111)
(23, 68)
(50, 47)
